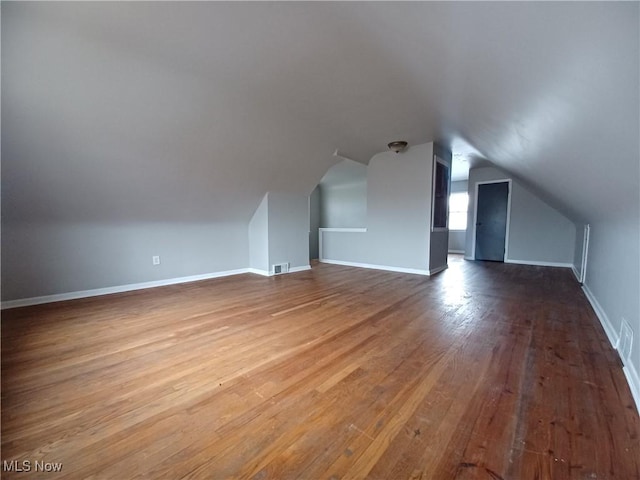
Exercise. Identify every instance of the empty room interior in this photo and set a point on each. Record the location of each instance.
(320, 240)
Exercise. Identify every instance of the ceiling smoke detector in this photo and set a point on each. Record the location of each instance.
(397, 146)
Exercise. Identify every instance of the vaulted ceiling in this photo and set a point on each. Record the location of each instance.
(192, 111)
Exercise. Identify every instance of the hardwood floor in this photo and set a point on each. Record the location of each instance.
(487, 371)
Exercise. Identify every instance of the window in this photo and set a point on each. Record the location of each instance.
(458, 204)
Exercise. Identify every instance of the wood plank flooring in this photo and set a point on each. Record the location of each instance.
(486, 371)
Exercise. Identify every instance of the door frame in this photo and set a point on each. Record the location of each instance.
(475, 217)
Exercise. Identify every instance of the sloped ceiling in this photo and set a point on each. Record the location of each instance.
(192, 111)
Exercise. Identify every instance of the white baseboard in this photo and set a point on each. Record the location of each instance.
(257, 271)
(633, 379)
(629, 370)
(59, 297)
(439, 269)
(604, 320)
(24, 302)
(300, 269)
(456, 251)
(538, 264)
(575, 272)
(357, 229)
(266, 273)
(468, 258)
(414, 271)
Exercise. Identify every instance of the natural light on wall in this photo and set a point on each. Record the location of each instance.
(458, 204)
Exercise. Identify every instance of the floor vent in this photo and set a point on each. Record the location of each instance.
(279, 268)
(625, 342)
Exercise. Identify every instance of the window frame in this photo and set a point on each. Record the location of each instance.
(447, 183)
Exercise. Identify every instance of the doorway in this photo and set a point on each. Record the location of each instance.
(491, 229)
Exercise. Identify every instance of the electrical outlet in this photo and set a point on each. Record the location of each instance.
(156, 259)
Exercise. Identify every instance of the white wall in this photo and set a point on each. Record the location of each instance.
(288, 229)
(613, 280)
(457, 239)
(399, 207)
(343, 195)
(47, 258)
(279, 232)
(64, 258)
(344, 205)
(537, 233)
(398, 213)
(459, 186)
(259, 237)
